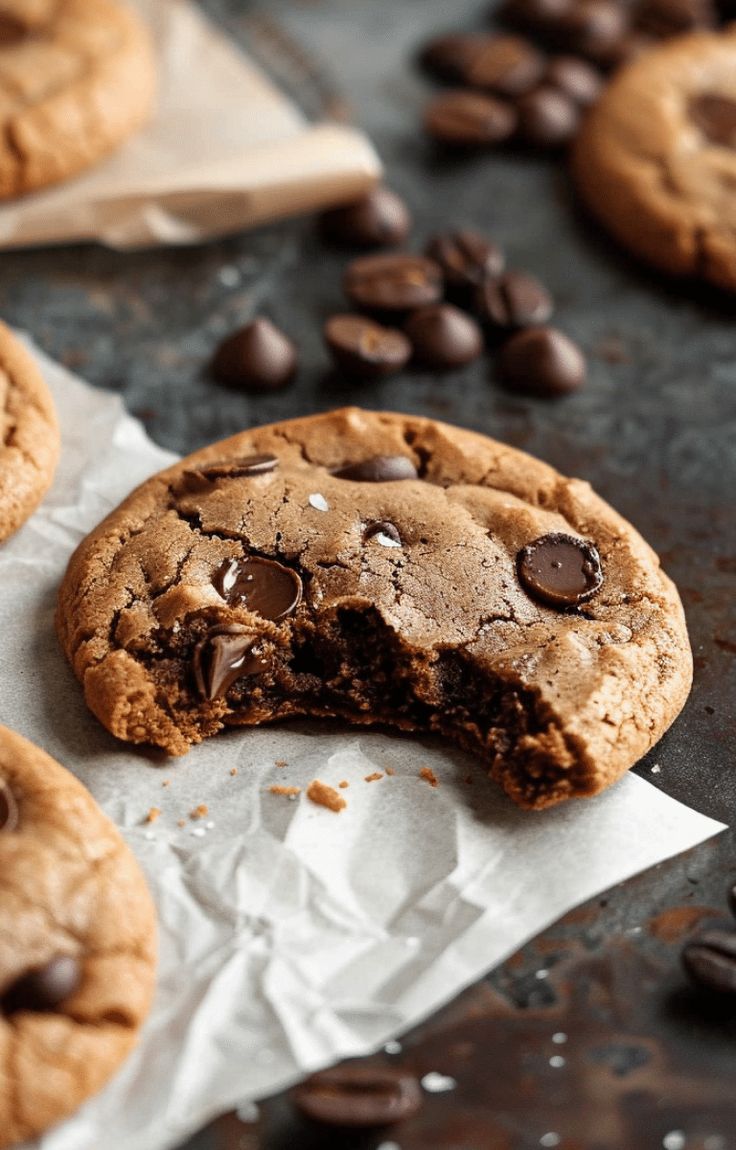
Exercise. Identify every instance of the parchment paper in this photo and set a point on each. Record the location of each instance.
(224, 151)
(290, 936)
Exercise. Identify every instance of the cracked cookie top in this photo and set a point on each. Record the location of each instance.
(656, 158)
(382, 568)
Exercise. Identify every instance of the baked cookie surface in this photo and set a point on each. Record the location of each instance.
(29, 434)
(655, 160)
(77, 77)
(384, 569)
(77, 948)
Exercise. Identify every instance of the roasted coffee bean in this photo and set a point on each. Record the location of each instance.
(443, 337)
(467, 258)
(359, 1096)
(226, 654)
(257, 358)
(548, 118)
(45, 989)
(710, 960)
(560, 570)
(715, 116)
(506, 65)
(385, 533)
(392, 282)
(537, 16)
(542, 361)
(449, 57)
(576, 78)
(594, 28)
(663, 18)
(513, 300)
(365, 349)
(379, 469)
(261, 585)
(8, 808)
(470, 119)
(379, 219)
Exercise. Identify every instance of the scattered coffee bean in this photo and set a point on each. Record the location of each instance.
(392, 282)
(359, 1096)
(716, 118)
(448, 58)
(576, 78)
(257, 358)
(542, 361)
(506, 65)
(594, 28)
(467, 258)
(537, 16)
(664, 18)
(548, 118)
(470, 119)
(45, 989)
(225, 655)
(513, 300)
(379, 469)
(8, 808)
(379, 219)
(365, 349)
(385, 533)
(560, 570)
(443, 337)
(710, 960)
(261, 585)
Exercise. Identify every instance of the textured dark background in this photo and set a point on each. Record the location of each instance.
(654, 432)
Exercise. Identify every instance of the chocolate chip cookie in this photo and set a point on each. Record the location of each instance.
(77, 77)
(656, 158)
(381, 568)
(29, 435)
(77, 945)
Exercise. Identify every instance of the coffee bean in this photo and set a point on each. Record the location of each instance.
(560, 570)
(538, 16)
(443, 337)
(629, 47)
(576, 78)
(379, 219)
(43, 990)
(513, 300)
(664, 18)
(467, 258)
(359, 1096)
(225, 655)
(710, 960)
(732, 900)
(257, 358)
(8, 808)
(506, 65)
(448, 57)
(379, 469)
(365, 349)
(715, 116)
(261, 585)
(470, 119)
(548, 118)
(392, 282)
(542, 361)
(384, 532)
(594, 28)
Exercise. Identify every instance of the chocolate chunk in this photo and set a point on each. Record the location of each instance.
(710, 960)
(384, 532)
(716, 117)
(246, 467)
(8, 808)
(443, 337)
(507, 65)
(576, 78)
(548, 118)
(225, 655)
(379, 469)
(469, 119)
(449, 57)
(664, 18)
(359, 1096)
(45, 989)
(257, 358)
(560, 570)
(392, 282)
(513, 300)
(379, 219)
(542, 361)
(466, 258)
(364, 348)
(261, 585)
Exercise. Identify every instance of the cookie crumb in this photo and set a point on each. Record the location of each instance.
(390, 771)
(325, 796)
(153, 814)
(285, 790)
(233, 771)
(166, 783)
(343, 784)
(200, 812)
(429, 776)
(181, 823)
(281, 763)
(374, 777)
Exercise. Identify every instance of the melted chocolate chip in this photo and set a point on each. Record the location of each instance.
(384, 532)
(379, 469)
(45, 989)
(359, 1096)
(716, 118)
(246, 467)
(560, 570)
(225, 655)
(8, 808)
(262, 585)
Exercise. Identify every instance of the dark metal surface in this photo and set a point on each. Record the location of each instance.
(654, 432)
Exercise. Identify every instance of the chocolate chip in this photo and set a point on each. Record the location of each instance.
(379, 219)
(443, 337)
(379, 469)
(469, 119)
(261, 585)
(392, 282)
(44, 989)
(466, 258)
(257, 358)
(365, 349)
(716, 118)
(359, 1096)
(507, 65)
(513, 300)
(449, 57)
(710, 960)
(576, 78)
(560, 570)
(225, 655)
(246, 467)
(384, 532)
(548, 118)
(542, 361)
(8, 808)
